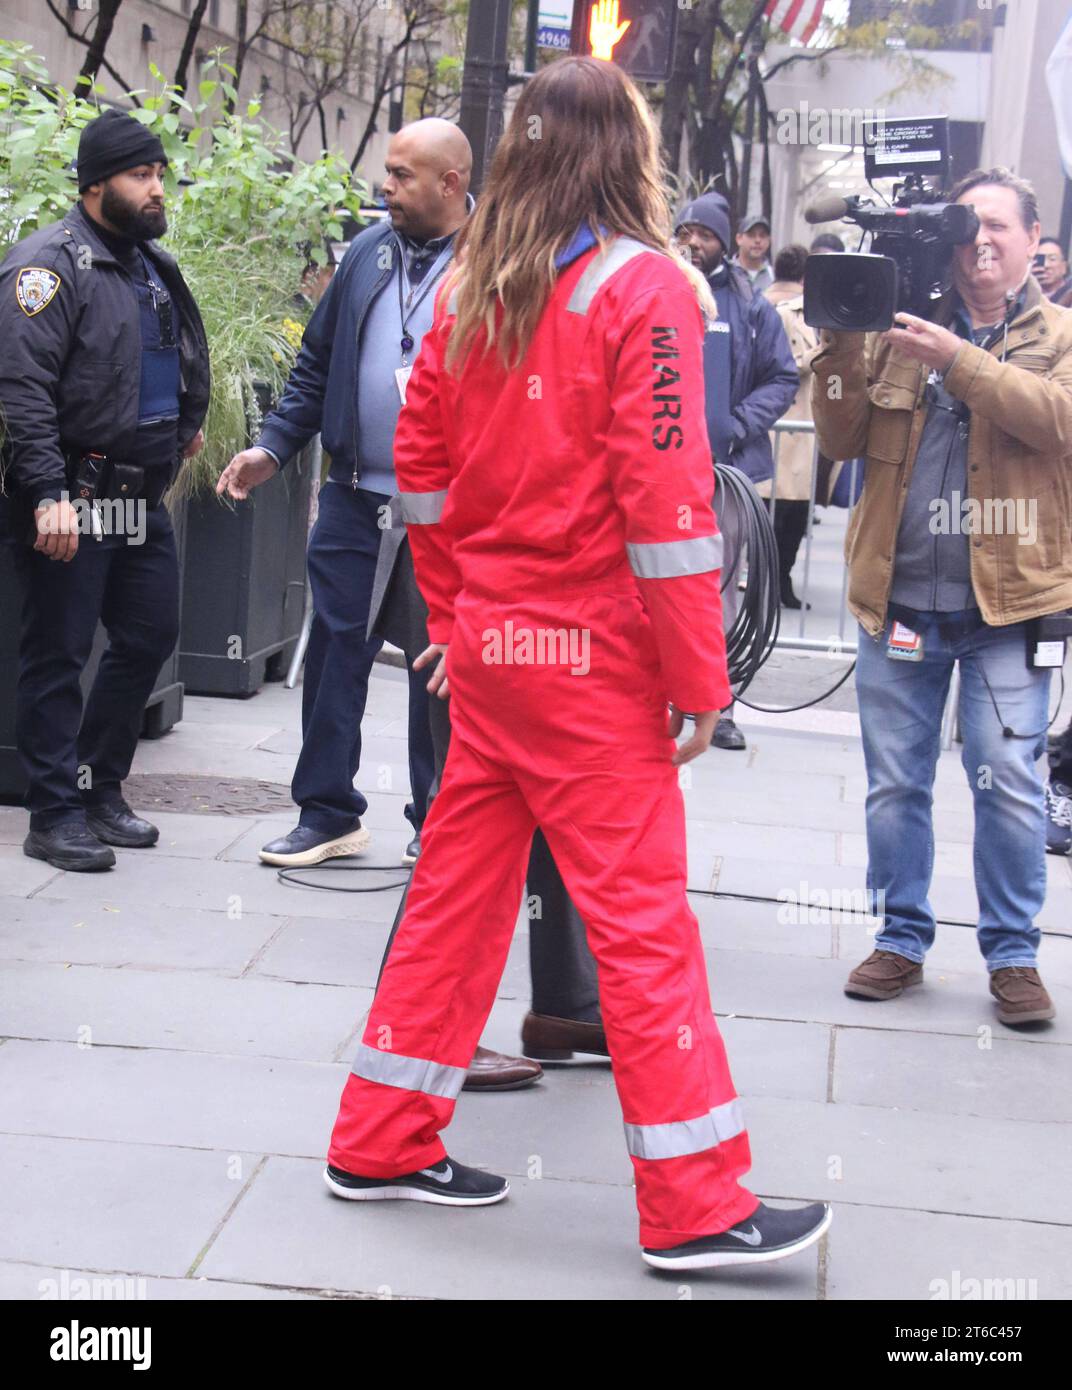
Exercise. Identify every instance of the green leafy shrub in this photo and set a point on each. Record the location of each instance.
(244, 216)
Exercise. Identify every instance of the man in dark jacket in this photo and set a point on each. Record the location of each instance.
(750, 378)
(104, 384)
(347, 384)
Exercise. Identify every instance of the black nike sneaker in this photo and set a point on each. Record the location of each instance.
(447, 1184)
(768, 1234)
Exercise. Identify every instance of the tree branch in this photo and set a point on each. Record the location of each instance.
(189, 43)
(81, 38)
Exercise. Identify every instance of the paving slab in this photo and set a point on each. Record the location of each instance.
(988, 1076)
(345, 953)
(953, 898)
(878, 1253)
(47, 1282)
(172, 1009)
(145, 1209)
(184, 1100)
(764, 842)
(742, 925)
(20, 876)
(779, 986)
(150, 937)
(216, 887)
(548, 1240)
(960, 1164)
(742, 804)
(185, 753)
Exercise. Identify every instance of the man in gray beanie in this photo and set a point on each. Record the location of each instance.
(750, 378)
(104, 384)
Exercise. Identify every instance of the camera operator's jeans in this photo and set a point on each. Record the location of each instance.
(901, 704)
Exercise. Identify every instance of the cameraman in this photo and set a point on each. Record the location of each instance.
(976, 405)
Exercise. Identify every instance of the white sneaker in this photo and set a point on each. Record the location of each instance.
(305, 846)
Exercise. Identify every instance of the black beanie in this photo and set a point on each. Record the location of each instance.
(709, 210)
(114, 142)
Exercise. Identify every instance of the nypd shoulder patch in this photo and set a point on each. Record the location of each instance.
(35, 289)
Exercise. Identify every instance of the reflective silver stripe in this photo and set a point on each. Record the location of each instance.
(422, 508)
(599, 270)
(671, 559)
(683, 1137)
(408, 1073)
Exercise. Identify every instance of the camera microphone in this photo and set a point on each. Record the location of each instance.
(829, 209)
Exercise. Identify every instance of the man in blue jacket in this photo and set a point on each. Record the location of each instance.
(750, 378)
(347, 384)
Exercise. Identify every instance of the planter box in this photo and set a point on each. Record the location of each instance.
(244, 584)
(164, 707)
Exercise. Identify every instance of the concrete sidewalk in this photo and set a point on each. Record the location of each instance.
(176, 1034)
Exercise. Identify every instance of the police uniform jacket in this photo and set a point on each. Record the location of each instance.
(70, 355)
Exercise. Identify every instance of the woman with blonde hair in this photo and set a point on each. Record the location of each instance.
(556, 482)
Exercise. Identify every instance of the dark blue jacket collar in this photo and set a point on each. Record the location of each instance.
(583, 240)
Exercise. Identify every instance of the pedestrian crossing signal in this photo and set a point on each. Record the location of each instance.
(638, 35)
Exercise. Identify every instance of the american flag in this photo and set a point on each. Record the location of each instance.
(798, 18)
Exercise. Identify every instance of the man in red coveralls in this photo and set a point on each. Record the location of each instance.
(557, 486)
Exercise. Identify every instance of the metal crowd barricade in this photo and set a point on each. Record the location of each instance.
(307, 617)
(800, 642)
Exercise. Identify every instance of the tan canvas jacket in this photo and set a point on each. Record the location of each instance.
(868, 399)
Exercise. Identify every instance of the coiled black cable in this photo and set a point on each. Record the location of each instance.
(745, 523)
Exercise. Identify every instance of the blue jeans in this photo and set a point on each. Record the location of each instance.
(342, 563)
(901, 705)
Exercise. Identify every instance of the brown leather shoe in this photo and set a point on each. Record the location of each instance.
(557, 1039)
(1021, 996)
(492, 1071)
(884, 975)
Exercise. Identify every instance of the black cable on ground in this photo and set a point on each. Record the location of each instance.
(288, 876)
(846, 912)
(745, 521)
(789, 709)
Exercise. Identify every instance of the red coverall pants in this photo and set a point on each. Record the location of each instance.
(576, 744)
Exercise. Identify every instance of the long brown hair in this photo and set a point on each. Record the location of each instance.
(582, 148)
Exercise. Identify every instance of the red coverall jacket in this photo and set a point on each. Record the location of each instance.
(555, 479)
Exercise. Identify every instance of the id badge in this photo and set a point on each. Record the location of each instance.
(904, 644)
(402, 376)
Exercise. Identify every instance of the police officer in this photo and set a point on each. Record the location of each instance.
(104, 383)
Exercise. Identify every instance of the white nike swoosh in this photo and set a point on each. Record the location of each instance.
(751, 1237)
(448, 1176)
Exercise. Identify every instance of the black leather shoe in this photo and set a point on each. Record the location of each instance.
(727, 735)
(69, 846)
(412, 852)
(115, 823)
(559, 1040)
(493, 1071)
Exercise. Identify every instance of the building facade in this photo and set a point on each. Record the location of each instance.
(149, 32)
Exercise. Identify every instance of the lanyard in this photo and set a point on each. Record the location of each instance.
(405, 313)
